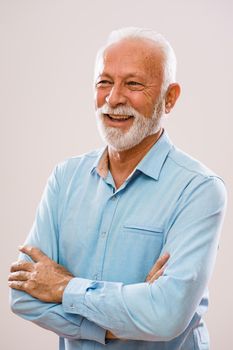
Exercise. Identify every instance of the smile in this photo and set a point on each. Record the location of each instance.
(118, 117)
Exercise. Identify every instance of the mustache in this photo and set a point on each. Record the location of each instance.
(120, 110)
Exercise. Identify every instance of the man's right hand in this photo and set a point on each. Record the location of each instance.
(156, 271)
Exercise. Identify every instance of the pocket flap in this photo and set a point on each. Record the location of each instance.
(143, 229)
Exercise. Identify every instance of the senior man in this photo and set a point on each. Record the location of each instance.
(90, 269)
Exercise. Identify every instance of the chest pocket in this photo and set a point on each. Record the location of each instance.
(144, 244)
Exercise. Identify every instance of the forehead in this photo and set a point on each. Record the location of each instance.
(130, 56)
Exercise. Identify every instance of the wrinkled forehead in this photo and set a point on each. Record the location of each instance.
(142, 54)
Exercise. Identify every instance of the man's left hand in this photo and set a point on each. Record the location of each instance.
(43, 278)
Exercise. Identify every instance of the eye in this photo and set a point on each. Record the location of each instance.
(135, 85)
(103, 83)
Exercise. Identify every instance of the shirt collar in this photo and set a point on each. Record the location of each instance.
(101, 163)
(150, 165)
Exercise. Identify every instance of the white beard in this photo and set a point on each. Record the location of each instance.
(141, 128)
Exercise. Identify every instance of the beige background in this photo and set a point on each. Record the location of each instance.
(47, 50)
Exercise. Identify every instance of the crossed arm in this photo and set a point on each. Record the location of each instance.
(46, 280)
(147, 311)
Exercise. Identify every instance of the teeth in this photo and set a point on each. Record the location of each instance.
(119, 118)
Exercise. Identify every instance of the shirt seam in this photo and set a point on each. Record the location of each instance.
(206, 176)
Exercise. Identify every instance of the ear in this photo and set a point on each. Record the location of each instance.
(172, 94)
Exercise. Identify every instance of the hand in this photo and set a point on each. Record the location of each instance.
(110, 336)
(43, 279)
(156, 271)
(158, 268)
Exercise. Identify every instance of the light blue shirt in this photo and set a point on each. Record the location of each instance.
(109, 239)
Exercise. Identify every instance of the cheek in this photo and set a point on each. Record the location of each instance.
(143, 104)
(100, 98)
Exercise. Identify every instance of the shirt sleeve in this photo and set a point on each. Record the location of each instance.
(44, 235)
(162, 310)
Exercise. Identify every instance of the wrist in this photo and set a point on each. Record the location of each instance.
(62, 287)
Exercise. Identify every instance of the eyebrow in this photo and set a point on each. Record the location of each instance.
(130, 75)
(134, 75)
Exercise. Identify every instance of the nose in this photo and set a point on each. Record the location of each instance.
(116, 97)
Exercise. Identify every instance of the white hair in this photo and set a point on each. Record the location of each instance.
(169, 63)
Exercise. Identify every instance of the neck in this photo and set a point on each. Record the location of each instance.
(122, 163)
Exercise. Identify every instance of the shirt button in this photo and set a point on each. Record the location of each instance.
(114, 198)
(103, 234)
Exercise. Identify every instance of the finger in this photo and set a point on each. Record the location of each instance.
(158, 265)
(35, 253)
(110, 335)
(21, 266)
(157, 275)
(20, 285)
(19, 276)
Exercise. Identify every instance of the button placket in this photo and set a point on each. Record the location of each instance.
(104, 234)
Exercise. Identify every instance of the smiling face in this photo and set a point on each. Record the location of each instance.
(128, 90)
